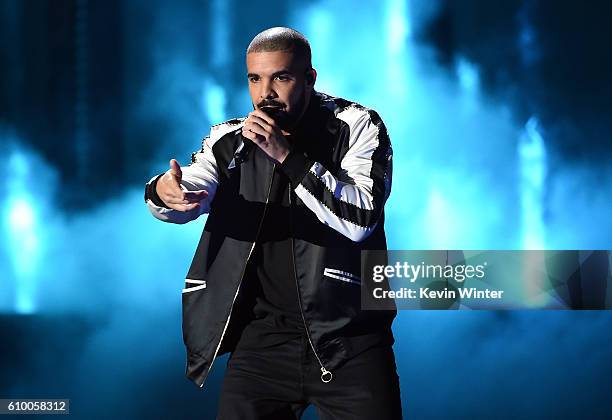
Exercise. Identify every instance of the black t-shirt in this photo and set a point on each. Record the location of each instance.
(277, 312)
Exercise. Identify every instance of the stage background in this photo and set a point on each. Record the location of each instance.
(499, 115)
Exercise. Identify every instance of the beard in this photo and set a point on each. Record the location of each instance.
(285, 120)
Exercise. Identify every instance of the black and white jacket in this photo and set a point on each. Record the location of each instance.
(340, 174)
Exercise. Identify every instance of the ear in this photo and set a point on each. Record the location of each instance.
(311, 77)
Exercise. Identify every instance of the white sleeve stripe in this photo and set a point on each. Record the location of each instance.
(357, 163)
(357, 118)
(328, 217)
(343, 191)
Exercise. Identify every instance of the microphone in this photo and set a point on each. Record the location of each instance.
(275, 113)
(243, 154)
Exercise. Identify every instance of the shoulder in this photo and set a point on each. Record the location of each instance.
(218, 131)
(227, 130)
(352, 113)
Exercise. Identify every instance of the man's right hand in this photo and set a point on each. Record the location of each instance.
(173, 194)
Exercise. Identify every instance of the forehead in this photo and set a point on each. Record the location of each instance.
(270, 62)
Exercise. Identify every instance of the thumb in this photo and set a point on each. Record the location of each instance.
(175, 169)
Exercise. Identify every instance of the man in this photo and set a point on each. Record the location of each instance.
(294, 193)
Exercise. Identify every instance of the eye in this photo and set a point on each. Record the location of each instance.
(282, 78)
(253, 79)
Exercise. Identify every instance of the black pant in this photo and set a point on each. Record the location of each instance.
(280, 382)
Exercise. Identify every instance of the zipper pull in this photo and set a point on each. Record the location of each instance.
(326, 376)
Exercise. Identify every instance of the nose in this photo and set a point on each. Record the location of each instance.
(267, 90)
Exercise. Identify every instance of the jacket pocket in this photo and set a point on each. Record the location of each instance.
(340, 275)
(193, 285)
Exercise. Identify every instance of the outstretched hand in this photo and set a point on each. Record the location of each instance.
(173, 194)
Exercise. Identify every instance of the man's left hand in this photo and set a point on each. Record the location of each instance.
(263, 131)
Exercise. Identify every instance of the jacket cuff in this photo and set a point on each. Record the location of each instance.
(296, 166)
(151, 193)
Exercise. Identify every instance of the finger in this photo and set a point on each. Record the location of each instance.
(256, 138)
(184, 207)
(175, 168)
(173, 199)
(171, 202)
(193, 196)
(258, 129)
(187, 197)
(262, 119)
(256, 122)
(177, 201)
(262, 115)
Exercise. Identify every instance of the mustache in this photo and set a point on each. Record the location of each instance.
(270, 103)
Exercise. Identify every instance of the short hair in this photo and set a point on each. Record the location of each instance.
(281, 39)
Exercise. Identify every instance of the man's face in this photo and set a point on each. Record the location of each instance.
(278, 85)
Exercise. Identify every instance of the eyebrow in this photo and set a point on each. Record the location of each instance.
(278, 73)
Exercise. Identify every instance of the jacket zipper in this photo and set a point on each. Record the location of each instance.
(242, 275)
(326, 375)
